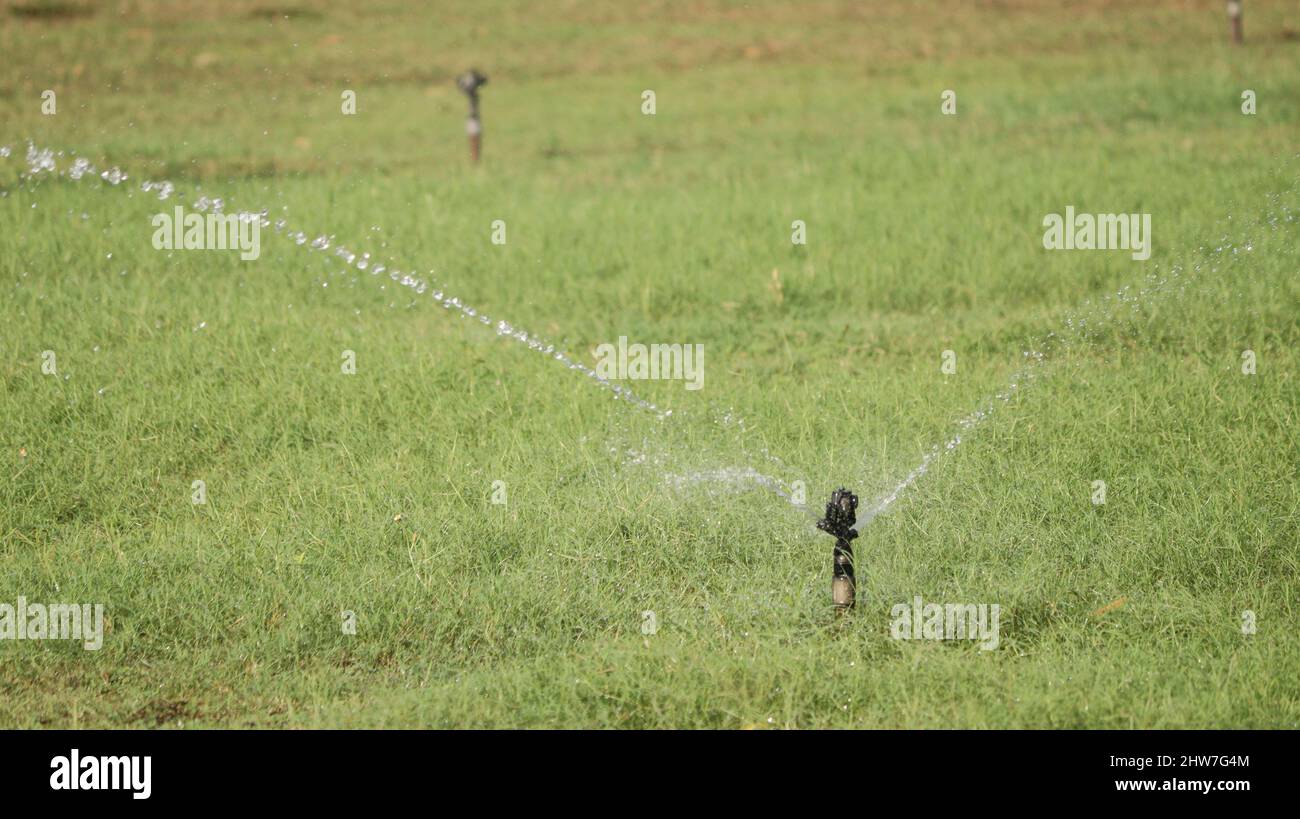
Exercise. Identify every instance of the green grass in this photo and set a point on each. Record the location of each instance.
(371, 493)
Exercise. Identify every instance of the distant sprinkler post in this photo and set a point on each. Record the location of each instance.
(469, 83)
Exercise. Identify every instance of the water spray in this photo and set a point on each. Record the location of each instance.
(840, 517)
(469, 83)
(46, 161)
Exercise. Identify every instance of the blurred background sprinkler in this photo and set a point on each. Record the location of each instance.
(841, 514)
(469, 83)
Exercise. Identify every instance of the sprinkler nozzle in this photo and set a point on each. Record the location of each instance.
(841, 514)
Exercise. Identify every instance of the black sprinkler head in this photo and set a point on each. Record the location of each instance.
(470, 82)
(841, 514)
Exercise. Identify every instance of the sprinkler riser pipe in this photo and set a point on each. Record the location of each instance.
(843, 583)
(474, 130)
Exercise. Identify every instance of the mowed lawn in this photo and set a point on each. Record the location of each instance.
(372, 493)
